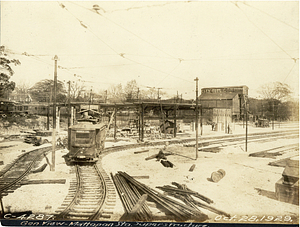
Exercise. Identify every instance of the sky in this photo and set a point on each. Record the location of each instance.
(161, 44)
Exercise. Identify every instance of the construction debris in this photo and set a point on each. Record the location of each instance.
(159, 156)
(166, 163)
(140, 177)
(138, 152)
(217, 176)
(136, 209)
(183, 193)
(179, 210)
(192, 168)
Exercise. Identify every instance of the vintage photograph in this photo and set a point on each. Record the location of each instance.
(149, 113)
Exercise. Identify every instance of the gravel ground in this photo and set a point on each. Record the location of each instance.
(247, 189)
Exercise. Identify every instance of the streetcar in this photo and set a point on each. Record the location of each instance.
(86, 141)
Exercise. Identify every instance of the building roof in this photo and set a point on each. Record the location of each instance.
(217, 96)
(241, 86)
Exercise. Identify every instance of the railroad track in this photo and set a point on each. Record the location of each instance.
(91, 195)
(213, 140)
(12, 175)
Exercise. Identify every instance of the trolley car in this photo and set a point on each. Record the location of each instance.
(86, 141)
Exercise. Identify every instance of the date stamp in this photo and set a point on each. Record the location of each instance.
(254, 219)
(29, 216)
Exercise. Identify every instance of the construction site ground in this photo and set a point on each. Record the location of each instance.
(246, 191)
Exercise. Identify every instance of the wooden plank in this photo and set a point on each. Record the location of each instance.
(138, 205)
(140, 177)
(151, 157)
(138, 152)
(50, 181)
(192, 168)
(188, 191)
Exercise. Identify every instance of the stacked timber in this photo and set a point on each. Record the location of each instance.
(130, 191)
(133, 202)
(182, 192)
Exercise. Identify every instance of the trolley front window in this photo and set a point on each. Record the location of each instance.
(82, 135)
(84, 138)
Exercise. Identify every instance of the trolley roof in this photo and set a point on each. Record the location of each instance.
(87, 126)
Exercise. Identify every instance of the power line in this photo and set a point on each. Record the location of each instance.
(125, 29)
(234, 59)
(270, 15)
(168, 74)
(86, 27)
(157, 70)
(262, 30)
(142, 7)
(290, 71)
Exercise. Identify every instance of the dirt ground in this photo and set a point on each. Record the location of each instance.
(247, 189)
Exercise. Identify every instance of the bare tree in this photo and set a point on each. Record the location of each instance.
(21, 92)
(76, 90)
(275, 103)
(115, 93)
(131, 90)
(276, 90)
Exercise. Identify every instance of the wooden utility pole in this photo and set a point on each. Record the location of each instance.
(115, 125)
(105, 97)
(142, 123)
(246, 148)
(201, 125)
(69, 104)
(158, 93)
(54, 114)
(90, 98)
(196, 125)
(246, 108)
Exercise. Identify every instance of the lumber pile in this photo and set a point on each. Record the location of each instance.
(134, 204)
(182, 192)
(130, 191)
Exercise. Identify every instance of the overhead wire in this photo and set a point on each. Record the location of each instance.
(158, 70)
(168, 74)
(125, 29)
(290, 71)
(86, 27)
(247, 4)
(148, 6)
(262, 30)
(123, 54)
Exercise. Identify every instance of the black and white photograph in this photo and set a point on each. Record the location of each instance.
(149, 113)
